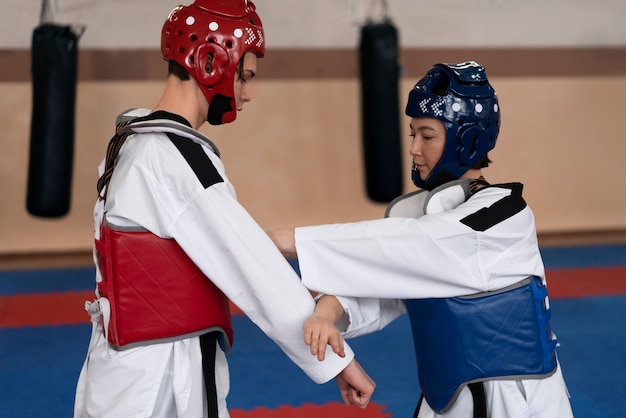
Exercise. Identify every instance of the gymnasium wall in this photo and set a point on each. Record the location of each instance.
(294, 153)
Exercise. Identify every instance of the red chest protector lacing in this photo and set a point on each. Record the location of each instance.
(156, 293)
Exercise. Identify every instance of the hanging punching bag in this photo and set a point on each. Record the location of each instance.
(53, 68)
(380, 113)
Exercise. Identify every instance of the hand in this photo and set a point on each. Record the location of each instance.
(319, 328)
(320, 331)
(355, 386)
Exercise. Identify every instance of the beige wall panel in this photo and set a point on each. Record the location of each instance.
(561, 137)
(96, 107)
(294, 154)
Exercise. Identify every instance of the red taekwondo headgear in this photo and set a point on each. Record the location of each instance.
(216, 32)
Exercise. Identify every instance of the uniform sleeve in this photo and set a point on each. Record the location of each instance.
(435, 255)
(393, 258)
(236, 254)
(366, 315)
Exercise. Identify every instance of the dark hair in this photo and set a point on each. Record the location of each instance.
(482, 163)
(178, 70)
(240, 69)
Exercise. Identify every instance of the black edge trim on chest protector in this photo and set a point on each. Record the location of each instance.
(499, 211)
(199, 162)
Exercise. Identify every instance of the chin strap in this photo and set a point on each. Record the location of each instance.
(219, 105)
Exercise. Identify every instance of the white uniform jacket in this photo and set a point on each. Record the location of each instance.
(425, 251)
(154, 187)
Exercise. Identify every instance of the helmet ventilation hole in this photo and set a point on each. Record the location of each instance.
(441, 87)
(209, 63)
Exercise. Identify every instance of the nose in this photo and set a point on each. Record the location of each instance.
(246, 93)
(416, 147)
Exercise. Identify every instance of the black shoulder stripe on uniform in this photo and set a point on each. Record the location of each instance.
(199, 162)
(499, 211)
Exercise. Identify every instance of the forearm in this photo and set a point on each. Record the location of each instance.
(329, 308)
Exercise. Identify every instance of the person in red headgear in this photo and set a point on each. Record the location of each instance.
(173, 245)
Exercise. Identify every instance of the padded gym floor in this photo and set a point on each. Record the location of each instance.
(44, 333)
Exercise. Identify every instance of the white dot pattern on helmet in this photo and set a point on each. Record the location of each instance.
(479, 108)
(251, 36)
(456, 107)
(190, 20)
(435, 107)
(238, 33)
(495, 107)
(213, 26)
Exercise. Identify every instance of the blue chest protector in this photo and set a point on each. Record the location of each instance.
(504, 334)
(495, 335)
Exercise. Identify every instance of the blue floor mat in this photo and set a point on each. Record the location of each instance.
(39, 366)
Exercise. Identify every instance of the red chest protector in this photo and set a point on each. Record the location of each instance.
(156, 293)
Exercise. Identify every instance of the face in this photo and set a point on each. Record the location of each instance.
(429, 139)
(243, 80)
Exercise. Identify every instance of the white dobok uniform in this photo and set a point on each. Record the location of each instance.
(154, 187)
(427, 252)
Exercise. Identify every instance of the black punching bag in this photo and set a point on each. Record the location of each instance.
(53, 68)
(380, 113)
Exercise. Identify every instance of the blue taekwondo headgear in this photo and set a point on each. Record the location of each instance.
(460, 96)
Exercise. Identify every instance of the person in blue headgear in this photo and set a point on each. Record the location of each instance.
(459, 256)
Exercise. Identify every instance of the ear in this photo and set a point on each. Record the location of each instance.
(210, 62)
